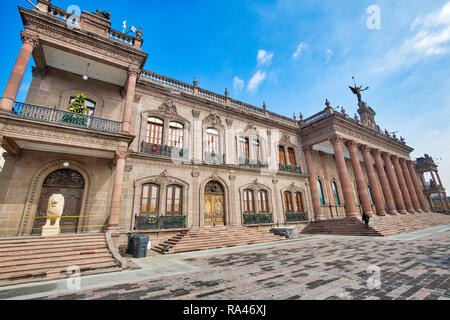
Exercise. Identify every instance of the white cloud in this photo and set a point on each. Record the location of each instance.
(301, 47)
(264, 57)
(432, 38)
(329, 55)
(256, 81)
(238, 84)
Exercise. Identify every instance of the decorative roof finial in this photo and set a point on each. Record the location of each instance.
(343, 111)
(226, 92)
(301, 116)
(264, 106)
(139, 33)
(327, 103)
(195, 81)
(295, 116)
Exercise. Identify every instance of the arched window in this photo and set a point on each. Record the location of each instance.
(291, 154)
(263, 205)
(90, 105)
(299, 202)
(257, 150)
(321, 196)
(176, 135)
(244, 148)
(282, 155)
(288, 205)
(150, 199)
(174, 200)
(336, 193)
(155, 127)
(213, 140)
(248, 202)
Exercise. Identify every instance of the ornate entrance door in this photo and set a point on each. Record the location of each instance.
(70, 184)
(214, 205)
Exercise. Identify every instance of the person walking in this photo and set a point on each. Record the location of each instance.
(366, 219)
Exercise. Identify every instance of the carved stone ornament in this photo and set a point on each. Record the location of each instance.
(229, 122)
(164, 174)
(196, 113)
(286, 138)
(195, 174)
(54, 212)
(134, 72)
(31, 39)
(168, 108)
(213, 120)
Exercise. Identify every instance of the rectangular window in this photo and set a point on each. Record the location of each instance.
(248, 201)
(174, 200)
(282, 156)
(262, 202)
(291, 154)
(244, 148)
(257, 150)
(288, 207)
(213, 140)
(149, 202)
(155, 131)
(176, 135)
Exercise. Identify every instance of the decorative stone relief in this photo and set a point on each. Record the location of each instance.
(168, 108)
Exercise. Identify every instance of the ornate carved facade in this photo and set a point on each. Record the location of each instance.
(168, 148)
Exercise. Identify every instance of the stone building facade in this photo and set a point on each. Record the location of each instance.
(157, 155)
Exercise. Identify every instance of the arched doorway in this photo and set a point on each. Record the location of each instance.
(70, 184)
(214, 204)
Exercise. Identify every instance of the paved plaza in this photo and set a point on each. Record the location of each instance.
(413, 266)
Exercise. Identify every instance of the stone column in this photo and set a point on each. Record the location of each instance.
(385, 186)
(313, 183)
(419, 188)
(277, 218)
(116, 200)
(359, 176)
(410, 185)
(235, 214)
(133, 75)
(373, 182)
(402, 184)
(394, 184)
(195, 215)
(30, 42)
(350, 207)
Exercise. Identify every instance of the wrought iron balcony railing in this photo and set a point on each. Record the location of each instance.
(164, 151)
(214, 158)
(261, 218)
(28, 111)
(253, 164)
(291, 169)
(296, 217)
(145, 222)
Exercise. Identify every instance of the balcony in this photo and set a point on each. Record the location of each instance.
(65, 118)
(296, 217)
(146, 222)
(214, 158)
(253, 164)
(164, 151)
(290, 169)
(258, 219)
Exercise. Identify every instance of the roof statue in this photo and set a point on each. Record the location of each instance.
(357, 90)
(103, 14)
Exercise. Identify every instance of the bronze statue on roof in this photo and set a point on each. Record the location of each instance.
(357, 90)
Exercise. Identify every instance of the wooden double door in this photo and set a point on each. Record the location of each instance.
(70, 184)
(214, 205)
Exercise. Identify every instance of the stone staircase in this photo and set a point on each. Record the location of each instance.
(214, 238)
(392, 225)
(379, 226)
(340, 227)
(35, 259)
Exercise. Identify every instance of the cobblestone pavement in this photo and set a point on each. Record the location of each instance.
(330, 268)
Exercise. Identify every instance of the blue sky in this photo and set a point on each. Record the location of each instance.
(298, 53)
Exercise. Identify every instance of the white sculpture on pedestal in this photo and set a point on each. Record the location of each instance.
(54, 212)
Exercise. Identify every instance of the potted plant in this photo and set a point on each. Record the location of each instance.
(76, 111)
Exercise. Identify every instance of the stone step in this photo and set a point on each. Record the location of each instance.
(62, 256)
(51, 245)
(50, 266)
(56, 238)
(25, 253)
(40, 276)
(33, 244)
(218, 243)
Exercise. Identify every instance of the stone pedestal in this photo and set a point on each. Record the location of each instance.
(51, 231)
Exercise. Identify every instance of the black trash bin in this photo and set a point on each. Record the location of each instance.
(140, 244)
(130, 242)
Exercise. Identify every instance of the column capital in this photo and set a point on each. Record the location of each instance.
(375, 152)
(133, 71)
(364, 148)
(122, 155)
(31, 39)
(336, 139)
(395, 158)
(386, 155)
(351, 144)
(307, 148)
